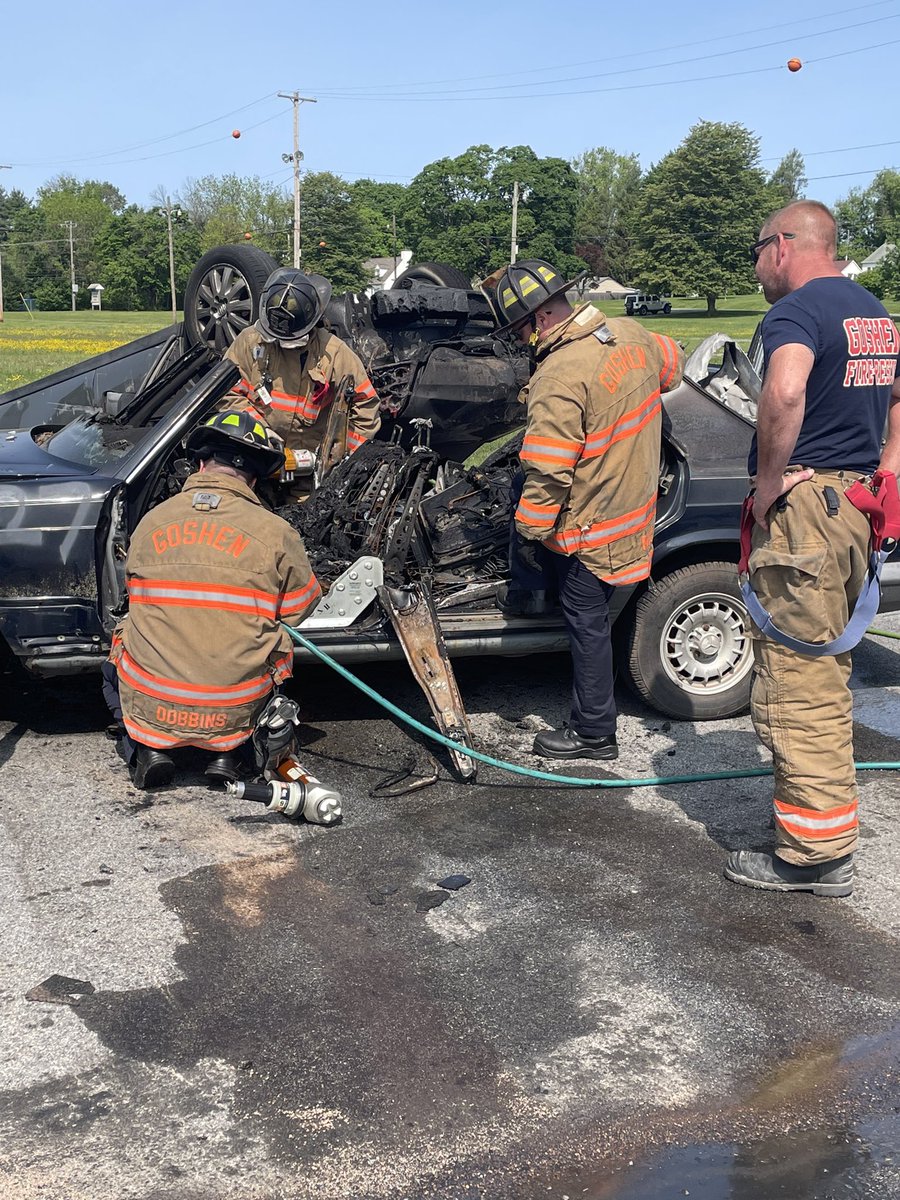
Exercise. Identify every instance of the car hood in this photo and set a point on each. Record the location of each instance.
(22, 458)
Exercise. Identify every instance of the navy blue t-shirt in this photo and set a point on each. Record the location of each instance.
(857, 351)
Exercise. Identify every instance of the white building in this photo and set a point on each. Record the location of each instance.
(877, 257)
(384, 272)
(849, 267)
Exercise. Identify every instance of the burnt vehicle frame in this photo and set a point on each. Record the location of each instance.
(87, 452)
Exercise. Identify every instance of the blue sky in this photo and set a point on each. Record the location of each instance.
(150, 99)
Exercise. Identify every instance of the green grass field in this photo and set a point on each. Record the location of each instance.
(32, 346)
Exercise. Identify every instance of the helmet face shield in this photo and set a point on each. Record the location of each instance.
(284, 314)
(290, 306)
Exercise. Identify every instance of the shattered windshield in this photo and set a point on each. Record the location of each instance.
(94, 442)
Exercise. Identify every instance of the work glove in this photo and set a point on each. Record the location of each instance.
(531, 555)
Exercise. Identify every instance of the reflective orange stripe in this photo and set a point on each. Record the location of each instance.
(811, 824)
(629, 574)
(601, 533)
(244, 388)
(355, 440)
(623, 427)
(559, 452)
(366, 389)
(217, 596)
(292, 603)
(175, 690)
(541, 516)
(284, 667)
(670, 357)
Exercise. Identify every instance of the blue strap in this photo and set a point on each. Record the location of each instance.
(863, 614)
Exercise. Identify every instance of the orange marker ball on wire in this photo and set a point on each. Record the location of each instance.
(794, 64)
(235, 133)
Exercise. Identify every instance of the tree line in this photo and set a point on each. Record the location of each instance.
(681, 227)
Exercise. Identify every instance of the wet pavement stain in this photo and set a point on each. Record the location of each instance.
(546, 1014)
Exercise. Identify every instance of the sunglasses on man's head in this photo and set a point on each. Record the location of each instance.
(757, 248)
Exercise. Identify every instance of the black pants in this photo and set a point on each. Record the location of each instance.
(585, 603)
(126, 747)
(584, 600)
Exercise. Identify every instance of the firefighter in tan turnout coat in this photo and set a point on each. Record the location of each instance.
(591, 464)
(290, 368)
(210, 574)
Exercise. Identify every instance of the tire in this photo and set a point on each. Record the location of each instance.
(667, 308)
(435, 274)
(688, 652)
(642, 311)
(222, 294)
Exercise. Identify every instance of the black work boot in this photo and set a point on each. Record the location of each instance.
(223, 768)
(152, 769)
(768, 871)
(566, 743)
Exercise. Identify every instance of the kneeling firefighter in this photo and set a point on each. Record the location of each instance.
(211, 575)
(590, 457)
(296, 375)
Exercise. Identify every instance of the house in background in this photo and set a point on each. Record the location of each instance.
(877, 257)
(384, 272)
(849, 267)
(605, 287)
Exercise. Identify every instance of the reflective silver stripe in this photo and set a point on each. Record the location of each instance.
(621, 527)
(247, 691)
(552, 451)
(596, 444)
(817, 822)
(264, 604)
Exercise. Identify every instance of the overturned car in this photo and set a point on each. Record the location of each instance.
(402, 524)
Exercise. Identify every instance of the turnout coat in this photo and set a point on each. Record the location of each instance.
(301, 385)
(592, 442)
(210, 574)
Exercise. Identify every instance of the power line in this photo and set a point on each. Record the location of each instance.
(846, 174)
(532, 70)
(837, 150)
(677, 62)
(153, 142)
(666, 83)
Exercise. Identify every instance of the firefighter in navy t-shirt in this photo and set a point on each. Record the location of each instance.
(832, 359)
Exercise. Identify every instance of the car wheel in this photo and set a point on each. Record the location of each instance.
(222, 294)
(434, 273)
(688, 652)
(667, 308)
(642, 311)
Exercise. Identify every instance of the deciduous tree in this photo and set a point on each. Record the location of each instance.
(701, 208)
(608, 194)
(788, 180)
(459, 210)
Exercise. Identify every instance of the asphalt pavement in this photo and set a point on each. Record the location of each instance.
(203, 1001)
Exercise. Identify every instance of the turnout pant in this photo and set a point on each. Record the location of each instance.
(807, 572)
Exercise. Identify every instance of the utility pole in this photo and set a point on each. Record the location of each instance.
(394, 235)
(1, 286)
(168, 211)
(513, 247)
(296, 99)
(70, 225)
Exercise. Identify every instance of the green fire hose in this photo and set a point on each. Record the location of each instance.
(569, 780)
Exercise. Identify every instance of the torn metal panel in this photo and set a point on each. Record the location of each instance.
(415, 621)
